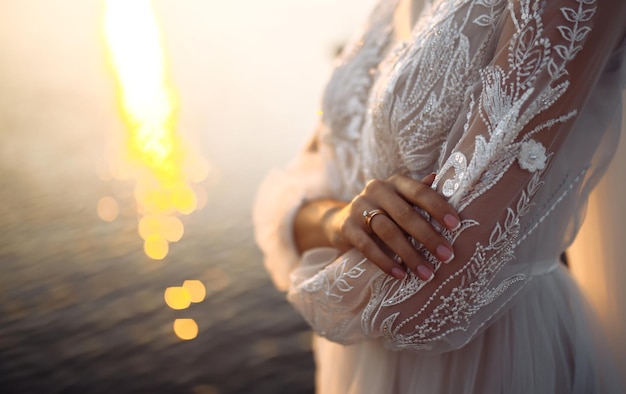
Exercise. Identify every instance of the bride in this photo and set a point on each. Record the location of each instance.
(420, 230)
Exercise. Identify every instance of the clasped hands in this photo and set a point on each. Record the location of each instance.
(379, 221)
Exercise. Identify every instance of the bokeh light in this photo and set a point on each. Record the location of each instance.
(177, 298)
(169, 228)
(155, 156)
(108, 209)
(186, 329)
(196, 290)
(156, 247)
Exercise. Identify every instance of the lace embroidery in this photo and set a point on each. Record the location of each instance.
(332, 285)
(424, 96)
(573, 35)
(505, 107)
(454, 311)
(503, 161)
(415, 102)
(450, 235)
(459, 162)
(532, 156)
(347, 94)
(551, 207)
(508, 101)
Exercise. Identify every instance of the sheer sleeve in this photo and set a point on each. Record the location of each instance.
(282, 192)
(513, 137)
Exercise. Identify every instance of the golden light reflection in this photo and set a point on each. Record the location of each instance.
(156, 247)
(162, 166)
(107, 209)
(177, 298)
(192, 291)
(169, 228)
(186, 328)
(196, 290)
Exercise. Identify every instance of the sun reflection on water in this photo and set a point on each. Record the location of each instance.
(186, 328)
(164, 169)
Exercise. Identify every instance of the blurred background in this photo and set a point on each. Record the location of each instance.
(82, 307)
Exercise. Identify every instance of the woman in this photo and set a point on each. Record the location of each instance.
(450, 283)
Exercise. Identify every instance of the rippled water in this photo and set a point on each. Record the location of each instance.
(82, 308)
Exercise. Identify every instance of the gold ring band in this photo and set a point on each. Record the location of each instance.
(369, 215)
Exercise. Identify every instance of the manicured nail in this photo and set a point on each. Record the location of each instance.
(398, 273)
(429, 179)
(424, 273)
(444, 254)
(451, 222)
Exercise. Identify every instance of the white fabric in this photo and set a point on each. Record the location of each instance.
(303, 179)
(596, 257)
(514, 104)
(531, 361)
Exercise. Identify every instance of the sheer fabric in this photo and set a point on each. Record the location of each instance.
(596, 257)
(514, 105)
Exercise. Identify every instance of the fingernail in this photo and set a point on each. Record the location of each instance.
(430, 178)
(451, 222)
(424, 273)
(444, 254)
(398, 273)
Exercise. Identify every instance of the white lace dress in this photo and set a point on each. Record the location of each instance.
(515, 104)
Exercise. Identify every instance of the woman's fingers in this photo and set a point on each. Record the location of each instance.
(429, 179)
(396, 241)
(390, 196)
(384, 238)
(421, 230)
(379, 254)
(423, 196)
(388, 249)
(374, 252)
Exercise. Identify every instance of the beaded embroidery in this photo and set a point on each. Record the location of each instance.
(406, 100)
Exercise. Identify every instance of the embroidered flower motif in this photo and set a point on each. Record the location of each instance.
(458, 161)
(532, 156)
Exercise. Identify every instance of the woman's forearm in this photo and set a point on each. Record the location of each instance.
(313, 224)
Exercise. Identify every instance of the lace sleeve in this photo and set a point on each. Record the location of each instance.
(511, 138)
(279, 196)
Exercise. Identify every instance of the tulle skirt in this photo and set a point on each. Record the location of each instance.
(545, 343)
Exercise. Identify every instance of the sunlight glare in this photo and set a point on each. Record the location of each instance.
(162, 166)
(107, 209)
(186, 329)
(196, 290)
(177, 298)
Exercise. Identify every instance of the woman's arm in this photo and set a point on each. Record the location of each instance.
(546, 61)
(312, 227)
(342, 225)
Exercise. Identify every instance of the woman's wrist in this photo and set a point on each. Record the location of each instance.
(332, 227)
(314, 224)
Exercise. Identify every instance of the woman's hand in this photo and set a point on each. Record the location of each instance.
(383, 239)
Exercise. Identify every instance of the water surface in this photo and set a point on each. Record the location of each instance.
(81, 306)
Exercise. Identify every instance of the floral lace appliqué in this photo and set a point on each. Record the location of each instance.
(458, 161)
(414, 104)
(532, 156)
